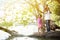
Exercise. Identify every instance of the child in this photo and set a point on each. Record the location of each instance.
(39, 23)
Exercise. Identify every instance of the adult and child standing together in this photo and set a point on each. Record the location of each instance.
(46, 18)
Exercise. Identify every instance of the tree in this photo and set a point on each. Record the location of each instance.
(20, 12)
(55, 9)
(26, 11)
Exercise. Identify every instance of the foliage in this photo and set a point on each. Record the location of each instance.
(54, 7)
(55, 10)
(6, 24)
(26, 11)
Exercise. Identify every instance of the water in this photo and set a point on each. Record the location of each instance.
(4, 36)
(23, 30)
(24, 38)
(28, 30)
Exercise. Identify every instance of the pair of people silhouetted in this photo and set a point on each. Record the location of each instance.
(46, 18)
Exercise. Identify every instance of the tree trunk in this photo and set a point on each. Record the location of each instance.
(7, 30)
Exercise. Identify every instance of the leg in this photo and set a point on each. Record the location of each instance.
(48, 25)
(38, 29)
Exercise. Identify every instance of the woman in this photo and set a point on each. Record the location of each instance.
(47, 17)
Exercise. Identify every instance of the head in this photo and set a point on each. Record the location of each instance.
(40, 16)
(46, 8)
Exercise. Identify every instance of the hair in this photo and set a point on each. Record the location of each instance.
(46, 8)
(39, 15)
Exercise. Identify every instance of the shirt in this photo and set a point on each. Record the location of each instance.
(47, 15)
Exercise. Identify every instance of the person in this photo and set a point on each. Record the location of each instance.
(39, 23)
(47, 17)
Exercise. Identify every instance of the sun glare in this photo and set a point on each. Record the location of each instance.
(11, 8)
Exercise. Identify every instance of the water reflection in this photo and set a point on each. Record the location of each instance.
(31, 38)
(24, 38)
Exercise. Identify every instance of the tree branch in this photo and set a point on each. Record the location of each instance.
(7, 30)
